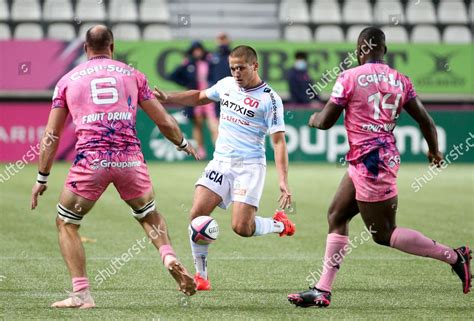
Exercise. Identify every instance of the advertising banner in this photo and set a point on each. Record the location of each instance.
(21, 128)
(307, 144)
(434, 69)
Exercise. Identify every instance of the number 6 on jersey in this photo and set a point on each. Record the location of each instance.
(109, 91)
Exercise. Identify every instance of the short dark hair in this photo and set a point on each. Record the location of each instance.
(99, 38)
(301, 55)
(244, 51)
(372, 35)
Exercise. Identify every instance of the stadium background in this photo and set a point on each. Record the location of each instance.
(429, 40)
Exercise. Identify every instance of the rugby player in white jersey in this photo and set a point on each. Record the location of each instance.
(249, 110)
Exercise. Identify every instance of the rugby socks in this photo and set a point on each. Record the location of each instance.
(200, 258)
(265, 225)
(80, 284)
(167, 254)
(413, 242)
(335, 252)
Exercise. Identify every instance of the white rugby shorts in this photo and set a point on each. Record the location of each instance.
(234, 182)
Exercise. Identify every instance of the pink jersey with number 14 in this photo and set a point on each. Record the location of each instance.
(372, 96)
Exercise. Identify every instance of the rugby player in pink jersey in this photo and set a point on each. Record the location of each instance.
(372, 96)
(102, 96)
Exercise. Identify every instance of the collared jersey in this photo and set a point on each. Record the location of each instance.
(247, 115)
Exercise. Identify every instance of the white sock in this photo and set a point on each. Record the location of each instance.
(264, 225)
(200, 258)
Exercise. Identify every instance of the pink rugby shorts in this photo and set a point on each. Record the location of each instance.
(375, 176)
(92, 172)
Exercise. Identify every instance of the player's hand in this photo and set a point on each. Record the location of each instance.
(38, 189)
(189, 149)
(435, 158)
(160, 95)
(285, 197)
(312, 120)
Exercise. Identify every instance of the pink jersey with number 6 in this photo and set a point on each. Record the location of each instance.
(102, 96)
(372, 96)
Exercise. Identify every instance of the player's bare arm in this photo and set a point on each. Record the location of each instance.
(327, 117)
(167, 125)
(48, 147)
(281, 162)
(185, 98)
(418, 112)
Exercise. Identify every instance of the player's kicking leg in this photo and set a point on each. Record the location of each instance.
(245, 222)
(71, 209)
(143, 209)
(381, 217)
(342, 209)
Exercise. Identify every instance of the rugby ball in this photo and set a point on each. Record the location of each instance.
(203, 230)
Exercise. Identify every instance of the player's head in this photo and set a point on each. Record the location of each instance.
(244, 65)
(99, 41)
(196, 51)
(371, 45)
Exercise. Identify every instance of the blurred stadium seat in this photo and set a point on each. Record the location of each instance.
(57, 10)
(452, 11)
(421, 12)
(425, 34)
(28, 31)
(294, 20)
(61, 31)
(329, 34)
(357, 11)
(389, 12)
(4, 13)
(5, 33)
(123, 10)
(298, 33)
(88, 10)
(23, 10)
(295, 11)
(396, 34)
(457, 34)
(325, 12)
(156, 32)
(126, 31)
(154, 11)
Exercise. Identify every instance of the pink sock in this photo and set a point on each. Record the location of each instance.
(333, 257)
(80, 283)
(414, 242)
(166, 250)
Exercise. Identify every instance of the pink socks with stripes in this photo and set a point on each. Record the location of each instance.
(335, 252)
(413, 242)
(80, 284)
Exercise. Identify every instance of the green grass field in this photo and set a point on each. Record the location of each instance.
(251, 277)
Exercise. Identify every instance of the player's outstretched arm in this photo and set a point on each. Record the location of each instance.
(281, 162)
(167, 125)
(327, 117)
(48, 147)
(418, 112)
(185, 98)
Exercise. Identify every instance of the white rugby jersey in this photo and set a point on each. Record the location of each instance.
(247, 115)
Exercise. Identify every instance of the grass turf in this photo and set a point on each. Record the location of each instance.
(251, 276)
